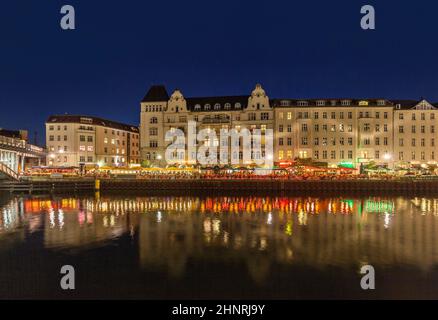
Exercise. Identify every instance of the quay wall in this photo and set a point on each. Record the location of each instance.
(216, 185)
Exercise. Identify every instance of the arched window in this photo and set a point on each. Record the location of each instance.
(237, 105)
(207, 107)
(217, 106)
(227, 106)
(197, 107)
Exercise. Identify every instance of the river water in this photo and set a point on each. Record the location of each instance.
(232, 247)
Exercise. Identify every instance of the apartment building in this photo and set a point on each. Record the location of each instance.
(161, 113)
(335, 131)
(339, 132)
(415, 133)
(74, 140)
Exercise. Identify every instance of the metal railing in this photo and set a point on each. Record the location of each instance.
(8, 171)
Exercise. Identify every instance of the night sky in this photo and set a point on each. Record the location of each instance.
(295, 49)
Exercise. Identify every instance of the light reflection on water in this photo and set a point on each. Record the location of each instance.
(171, 233)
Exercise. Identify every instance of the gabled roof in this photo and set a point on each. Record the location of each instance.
(156, 93)
(413, 104)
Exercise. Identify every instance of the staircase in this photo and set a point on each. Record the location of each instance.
(7, 172)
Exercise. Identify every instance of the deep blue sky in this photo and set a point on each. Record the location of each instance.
(293, 48)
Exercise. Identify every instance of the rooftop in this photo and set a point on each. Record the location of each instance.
(90, 120)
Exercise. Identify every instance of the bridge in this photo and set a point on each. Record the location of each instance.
(13, 154)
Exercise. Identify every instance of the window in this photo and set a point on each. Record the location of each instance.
(227, 106)
(304, 127)
(153, 131)
(51, 128)
(289, 141)
(217, 106)
(289, 115)
(265, 116)
(82, 138)
(280, 141)
(153, 144)
(90, 138)
(366, 127)
(82, 159)
(401, 129)
(81, 148)
(90, 148)
(51, 138)
(401, 116)
(280, 128)
(251, 116)
(90, 159)
(154, 120)
(289, 128)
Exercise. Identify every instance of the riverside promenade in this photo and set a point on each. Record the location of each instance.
(218, 185)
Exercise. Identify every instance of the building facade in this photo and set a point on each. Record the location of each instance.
(74, 140)
(161, 113)
(339, 132)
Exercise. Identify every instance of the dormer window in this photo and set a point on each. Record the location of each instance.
(217, 106)
(398, 106)
(237, 105)
(284, 103)
(345, 102)
(320, 103)
(227, 106)
(302, 103)
(381, 102)
(198, 107)
(207, 107)
(333, 102)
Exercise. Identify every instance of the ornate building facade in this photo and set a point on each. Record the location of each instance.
(391, 133)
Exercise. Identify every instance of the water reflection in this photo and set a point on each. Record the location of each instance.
(258, 231)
